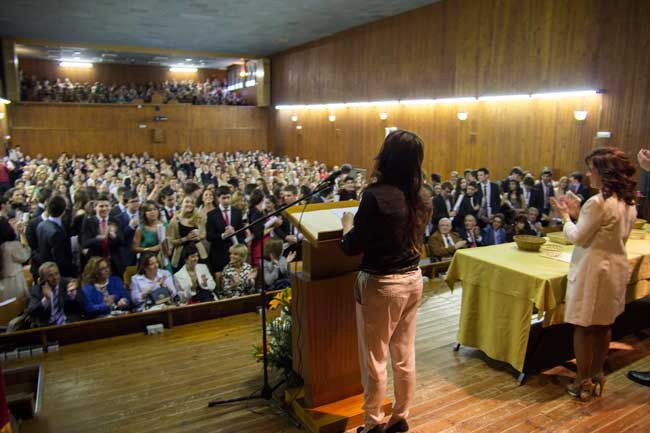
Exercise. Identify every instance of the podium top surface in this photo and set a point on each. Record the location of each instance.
(321, 221)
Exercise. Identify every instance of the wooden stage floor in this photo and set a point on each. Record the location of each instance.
(162, 383)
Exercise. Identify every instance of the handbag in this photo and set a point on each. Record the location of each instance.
(161, 295)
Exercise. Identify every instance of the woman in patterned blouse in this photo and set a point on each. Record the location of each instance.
(238, 276)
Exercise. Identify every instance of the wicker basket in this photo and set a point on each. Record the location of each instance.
(529, 243)
(639, 223)
(551, 249)
(558, 238)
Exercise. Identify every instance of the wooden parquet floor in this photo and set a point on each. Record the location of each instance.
(162, 383)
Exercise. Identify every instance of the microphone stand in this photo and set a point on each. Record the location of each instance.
(267, 391)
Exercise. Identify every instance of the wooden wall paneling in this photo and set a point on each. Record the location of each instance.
(83, 128)
(468, 48)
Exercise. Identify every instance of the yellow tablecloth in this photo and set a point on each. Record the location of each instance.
(501, 284)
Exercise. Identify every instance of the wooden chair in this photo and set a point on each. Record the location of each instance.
(425, 261)
(128, 273)
(11, 310)
(217, 281)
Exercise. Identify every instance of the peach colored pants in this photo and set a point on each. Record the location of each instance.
(386, 310)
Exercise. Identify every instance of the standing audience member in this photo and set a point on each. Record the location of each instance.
(187, 228)
(53, 300)
(599, 269)
(443, 206)
(102, 292)
(14, 252)
(490, 197)
(102, 238)
(222, 222)
(53, 240)
(150, 234)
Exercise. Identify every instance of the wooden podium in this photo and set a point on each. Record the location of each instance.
(324, 336)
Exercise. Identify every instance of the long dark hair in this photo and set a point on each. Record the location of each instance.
(399, 163)
(616, 173)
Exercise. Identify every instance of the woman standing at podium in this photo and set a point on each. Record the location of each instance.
(388, 230)
(599, 269)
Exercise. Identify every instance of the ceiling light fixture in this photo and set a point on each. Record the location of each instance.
(188, 68)
(580, 115)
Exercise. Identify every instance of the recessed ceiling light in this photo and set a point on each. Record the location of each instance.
(188, 60)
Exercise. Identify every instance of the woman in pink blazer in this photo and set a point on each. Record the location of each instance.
(599, 270)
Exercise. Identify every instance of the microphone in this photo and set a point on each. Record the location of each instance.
(345, 168)
(332, 177)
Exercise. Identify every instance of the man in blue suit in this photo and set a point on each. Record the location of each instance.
(494, 233)
(128, 221)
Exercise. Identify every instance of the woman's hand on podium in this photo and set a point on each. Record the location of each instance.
(347, 221)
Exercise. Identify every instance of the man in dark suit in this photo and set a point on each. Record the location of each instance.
(469, 206)
(102, 238)
(471, 232)
(127, 222)
(489, 196)
(442, 204)
(53, 240)
(546, 187)
(287, 231)
(43, 196)
(577, 187)
(222, 222)
(32, 240)
(168, 208)
(533, 196)
(494, 233)
(53, 300)
(120, 206)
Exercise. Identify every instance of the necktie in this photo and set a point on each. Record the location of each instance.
(448, 241)
(105, 240)
(471, 240)
(225, 217)
(485, 195)
(171, 213)
(56, 315)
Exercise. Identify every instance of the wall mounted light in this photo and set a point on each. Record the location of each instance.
(294, 118)
(332, 118)
(188, 68)
(462, 115)
(299, 127)
(580, 115)
(67, 64)
(383, 116)
(503, 97)
(4, 101)
(2, 116)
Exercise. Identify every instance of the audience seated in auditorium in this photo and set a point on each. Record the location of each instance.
(209, 92)
(471, 232)
(276, 266)
(53, 300)
(495, 232)
(444, 242)
(102, 292)
(194, 282)
(151, 286)
(238, 276)
(349, 190)
(533, 226)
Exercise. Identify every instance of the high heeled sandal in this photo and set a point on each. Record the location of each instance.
(583, 391)
(599, 384)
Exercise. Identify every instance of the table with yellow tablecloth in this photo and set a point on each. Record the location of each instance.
(501, 285)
